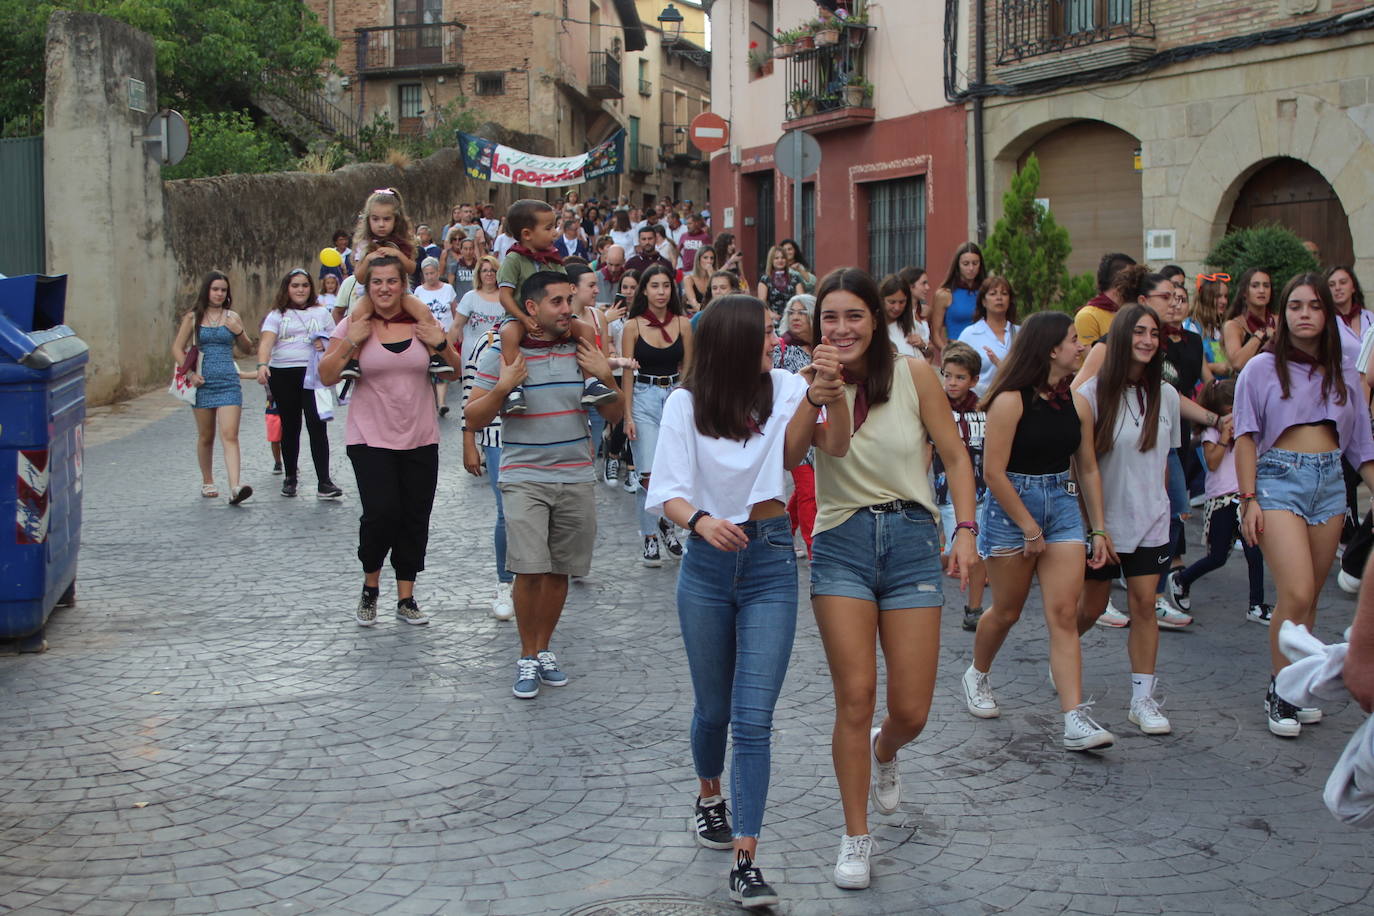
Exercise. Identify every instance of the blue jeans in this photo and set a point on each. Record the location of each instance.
(1176, 483)
(738, 612)
(1311, 486)
(493, 456)
(648, 416)
(598, 426)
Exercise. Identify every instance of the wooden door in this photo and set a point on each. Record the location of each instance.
(418, 39)
(1292, 193)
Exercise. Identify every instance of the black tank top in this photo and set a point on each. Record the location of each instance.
(658, 360)
(1045, 438)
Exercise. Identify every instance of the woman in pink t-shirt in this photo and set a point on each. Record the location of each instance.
(392, 435)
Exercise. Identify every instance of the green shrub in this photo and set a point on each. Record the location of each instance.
(1274, 249)
(1030, 248)
(229, 143)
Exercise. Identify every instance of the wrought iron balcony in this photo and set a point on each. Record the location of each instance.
(675, 145)
(642, 158)
(603, 81)
(1029, 28)
(400, 50)
(646, 88)
(821, 86)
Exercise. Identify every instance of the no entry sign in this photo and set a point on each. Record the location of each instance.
(709, 132)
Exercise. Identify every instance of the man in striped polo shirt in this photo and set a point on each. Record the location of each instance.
(547, 479)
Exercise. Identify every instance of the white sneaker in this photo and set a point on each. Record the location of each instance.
(1081, 733)
(631, 484)
(1145, 713)
(1348, 583)
(1309, 715)
(1113, 618)
(503, 605)
(1170, 617)
(851, 869)
(885, 787)
(978, 694)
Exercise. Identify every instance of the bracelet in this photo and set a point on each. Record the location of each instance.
(696, 517)
(1039, 533)
(1247, 497)
(1096, 534)
(260, 365)
(443, 343)
(811, 402)
(970, 527)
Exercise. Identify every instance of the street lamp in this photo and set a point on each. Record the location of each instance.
(670, 21)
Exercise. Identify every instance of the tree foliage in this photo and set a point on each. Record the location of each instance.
(210, 55)
(1030, 248)
(1273, 248)
(229, 143)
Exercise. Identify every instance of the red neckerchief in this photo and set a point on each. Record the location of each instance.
(789, 339)
(661, 323)
(1174, 332)
(1254, 327)
(1352, 317)
(547, 256)
(404, 248)
(539, 343)
(965, 404)
(1140, 399)
(1294, 355)
(1056, 396)
(1103, 302)
(860, 398)
(402, 318)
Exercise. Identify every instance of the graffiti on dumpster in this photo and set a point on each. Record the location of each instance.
(32, 504)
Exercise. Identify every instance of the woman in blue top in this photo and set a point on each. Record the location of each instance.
(955, 301)
(218, 330)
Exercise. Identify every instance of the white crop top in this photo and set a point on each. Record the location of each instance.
(723, 476)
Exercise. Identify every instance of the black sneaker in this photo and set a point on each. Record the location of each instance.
(611, 472)
(1282, 715)
(367, 608)
(668, 532)
(1260, 613)
(651, 556)
(276, 468)
(971, 617)
(438, 365)
(328, 490)
(1178, 592)
(710, 823)
(595, 393)
(443, 410)
(351, 369)
(515, 402)
(288, 486)
(747, 887)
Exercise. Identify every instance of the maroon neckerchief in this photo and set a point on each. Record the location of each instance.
(860, 398)
(789, 339)
(1140, 399)
(1174, 332)
(966, 404)
(547, 256)
(1103, 302)
(402, 318)
(1294, 356)
(1352, 317)
(661, 323)
(1254, 327)
(538, 343)
(404, 248)
(1056, 396)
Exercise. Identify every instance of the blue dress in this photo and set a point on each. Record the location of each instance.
(221, 388)
(959, 315)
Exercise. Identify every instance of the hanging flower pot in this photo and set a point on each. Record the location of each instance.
(827, 36)
(806, 42)
(782, 50)
(855, 35)
(854, 96)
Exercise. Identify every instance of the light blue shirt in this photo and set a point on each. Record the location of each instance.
(981, 338)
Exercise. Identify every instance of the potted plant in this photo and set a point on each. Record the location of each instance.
(783, 42)
(806, 38)
(856, 91)
(856, 28)
(757, 59)
(827, 32)
(802, 102)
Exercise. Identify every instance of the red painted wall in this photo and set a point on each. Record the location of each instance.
(930, 143)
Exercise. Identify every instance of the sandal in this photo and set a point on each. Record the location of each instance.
(242, 493)
(209, 490)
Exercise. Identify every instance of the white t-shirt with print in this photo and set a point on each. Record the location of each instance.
(478, 315)
(439, 302)
(296, 331)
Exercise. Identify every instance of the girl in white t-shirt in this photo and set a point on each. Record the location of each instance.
(901, 319)
(439, 298)
(726, 438)
(329, 292)
(1136, 422)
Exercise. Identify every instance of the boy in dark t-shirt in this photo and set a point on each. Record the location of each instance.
(961, 366)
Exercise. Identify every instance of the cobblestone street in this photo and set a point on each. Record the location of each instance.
(211, 732)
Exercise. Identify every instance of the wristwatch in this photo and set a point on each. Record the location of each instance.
(696, 517)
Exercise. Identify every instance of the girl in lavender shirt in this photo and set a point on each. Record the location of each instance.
(1298, 411)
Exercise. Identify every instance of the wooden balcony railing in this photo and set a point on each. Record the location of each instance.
(395, 50)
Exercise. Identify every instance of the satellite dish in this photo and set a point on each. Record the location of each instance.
(168, 134)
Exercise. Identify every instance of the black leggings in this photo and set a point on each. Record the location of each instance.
(397, 492)
(617, 443)
(1222, 527)
(293, 399)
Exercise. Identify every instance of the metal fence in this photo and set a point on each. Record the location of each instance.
(816, 77)
(390, 49)
(604, 79)
(1026, 28)
(896, 224)
(312, 105)
(21, 188)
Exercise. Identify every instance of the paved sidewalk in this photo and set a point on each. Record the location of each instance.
(210, 732)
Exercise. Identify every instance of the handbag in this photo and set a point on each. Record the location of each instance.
(181, 387)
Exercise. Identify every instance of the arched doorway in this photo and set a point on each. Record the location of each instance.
(1088, 175)
(1292, 193)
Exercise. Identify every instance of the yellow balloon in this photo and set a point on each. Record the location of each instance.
(330, 257)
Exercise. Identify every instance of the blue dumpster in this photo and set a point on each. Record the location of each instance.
(42, 406)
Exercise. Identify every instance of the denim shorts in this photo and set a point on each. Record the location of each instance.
(1052, 501)
(947, 520)
(889, 558)
(1311, 486)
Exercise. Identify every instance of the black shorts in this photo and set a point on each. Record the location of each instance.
(1143, 561)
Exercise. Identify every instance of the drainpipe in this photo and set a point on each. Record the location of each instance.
(980, 184)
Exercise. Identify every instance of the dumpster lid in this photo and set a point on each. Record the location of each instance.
(31, 329)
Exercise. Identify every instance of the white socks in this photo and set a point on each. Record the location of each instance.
(1142, 685)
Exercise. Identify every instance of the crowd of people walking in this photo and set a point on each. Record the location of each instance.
(893, 436)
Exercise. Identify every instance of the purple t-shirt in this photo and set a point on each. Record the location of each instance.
(1263, 412)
